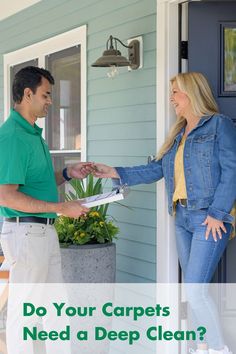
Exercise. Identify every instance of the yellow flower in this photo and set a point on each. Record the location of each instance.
(94, 214)
(101, 223)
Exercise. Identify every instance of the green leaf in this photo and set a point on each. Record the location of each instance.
(72, 195)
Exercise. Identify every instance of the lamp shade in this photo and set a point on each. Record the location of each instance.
(111, 57)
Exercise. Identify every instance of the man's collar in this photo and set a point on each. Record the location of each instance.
(16, 116)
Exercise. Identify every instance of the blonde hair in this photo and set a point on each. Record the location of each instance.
(196, 87)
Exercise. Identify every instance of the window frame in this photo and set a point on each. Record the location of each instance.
(40, 50)
(222, 91)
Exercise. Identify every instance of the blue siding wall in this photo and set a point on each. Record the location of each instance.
(121, 112)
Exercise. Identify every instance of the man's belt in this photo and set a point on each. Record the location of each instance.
(31, 219)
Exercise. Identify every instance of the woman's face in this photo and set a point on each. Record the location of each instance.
(180, 101)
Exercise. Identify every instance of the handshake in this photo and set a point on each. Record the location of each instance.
(83, 169)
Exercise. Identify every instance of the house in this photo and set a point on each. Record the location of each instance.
(118, 117)
(122, 120)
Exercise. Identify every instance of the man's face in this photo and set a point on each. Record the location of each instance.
(41, 99)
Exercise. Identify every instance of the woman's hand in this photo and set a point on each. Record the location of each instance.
(103, 171)
(80, 170)
(214, 226)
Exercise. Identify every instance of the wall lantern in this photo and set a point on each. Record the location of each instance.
(112, 56)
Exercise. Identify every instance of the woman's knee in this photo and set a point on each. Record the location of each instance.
(196, 294)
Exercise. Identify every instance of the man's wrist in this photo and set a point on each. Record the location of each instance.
(58, 207)
(65, 174)
(55, 207)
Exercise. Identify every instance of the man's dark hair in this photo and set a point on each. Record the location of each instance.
(29, 77)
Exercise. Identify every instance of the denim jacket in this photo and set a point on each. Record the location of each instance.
(209, 167)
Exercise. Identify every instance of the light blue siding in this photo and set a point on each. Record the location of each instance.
(121, 118)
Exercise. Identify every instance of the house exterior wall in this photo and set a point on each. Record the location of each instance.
(121, 119)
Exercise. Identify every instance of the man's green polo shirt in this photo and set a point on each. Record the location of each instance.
(25, 160)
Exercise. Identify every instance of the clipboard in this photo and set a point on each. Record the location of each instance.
(105, 198)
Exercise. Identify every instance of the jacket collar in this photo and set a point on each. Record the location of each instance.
(201, 122)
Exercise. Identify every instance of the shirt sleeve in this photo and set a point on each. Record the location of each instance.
(14, 157)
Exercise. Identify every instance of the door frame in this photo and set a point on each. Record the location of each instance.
(167, 65)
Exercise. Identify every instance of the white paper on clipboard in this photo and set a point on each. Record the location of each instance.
(104, 198)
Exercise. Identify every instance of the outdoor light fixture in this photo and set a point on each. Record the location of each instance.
(112, 56)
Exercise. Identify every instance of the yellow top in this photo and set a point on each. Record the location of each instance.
(233, 213)
(180, 185)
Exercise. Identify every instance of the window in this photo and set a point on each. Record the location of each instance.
(63, 126)
(65, 57)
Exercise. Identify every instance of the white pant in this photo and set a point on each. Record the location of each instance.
(33, 254)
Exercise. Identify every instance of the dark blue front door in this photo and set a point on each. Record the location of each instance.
(212, 48)
(212, 51)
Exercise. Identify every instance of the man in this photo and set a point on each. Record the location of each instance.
(28, 192)
(28, 185)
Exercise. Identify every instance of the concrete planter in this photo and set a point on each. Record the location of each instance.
(89, 263)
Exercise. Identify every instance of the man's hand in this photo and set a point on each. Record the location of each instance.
(72, 209)
(10, 197)
(103, 171)
(214, 226)
(80, 170)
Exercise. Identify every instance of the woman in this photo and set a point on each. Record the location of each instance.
(198, 162)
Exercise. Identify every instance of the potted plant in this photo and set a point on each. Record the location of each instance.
(88, 253)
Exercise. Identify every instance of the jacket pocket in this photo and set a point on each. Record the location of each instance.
(204, 138)
(203, 146)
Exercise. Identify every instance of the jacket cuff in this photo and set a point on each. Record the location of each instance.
(122, 174)
(220, 215)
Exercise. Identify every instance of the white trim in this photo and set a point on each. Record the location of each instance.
(167, 66)
(184, 25)
(173, 1)
(84, 96)
(65, 151)
(40, 51)
(9, 8)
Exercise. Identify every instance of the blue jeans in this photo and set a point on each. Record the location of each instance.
(198, 259)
